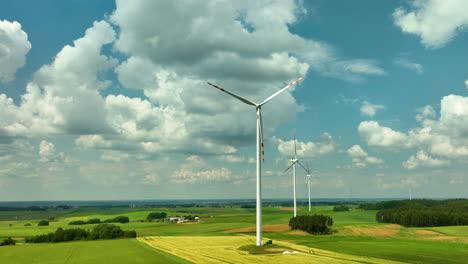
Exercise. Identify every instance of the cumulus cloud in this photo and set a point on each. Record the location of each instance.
(356, 152)
(243, 46)
(445, 137)
(436, 22)
(362, 158)
(14, 46)
(407, 64)
(379, 136)
(421, 159)
(322, 145)
(370, 109)
(47, 153)
(193, 172)
(426, 112)
(65, 94)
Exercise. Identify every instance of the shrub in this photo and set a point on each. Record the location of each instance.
(118, 219)
(43, 223)
(341, 207)
(78, 222)
(8, 241)
(153, 216)
(93, 221)
(314, 224)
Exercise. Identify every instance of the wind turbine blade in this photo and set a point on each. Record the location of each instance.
(261, 134)
(233, 95)
(303, 167)
(280, 91)
(289, 167)
(295, 147)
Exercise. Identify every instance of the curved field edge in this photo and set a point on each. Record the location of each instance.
(397, 249)
(120, 251)
(216, 249)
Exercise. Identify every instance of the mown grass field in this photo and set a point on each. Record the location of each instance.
(119, 251)
(358, 236)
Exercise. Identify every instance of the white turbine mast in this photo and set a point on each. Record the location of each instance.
(260, 147)
(293, 165)
(309, 180)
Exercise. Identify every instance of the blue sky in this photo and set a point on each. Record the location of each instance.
(108, 100)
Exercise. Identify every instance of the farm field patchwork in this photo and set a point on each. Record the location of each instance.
(358, 237)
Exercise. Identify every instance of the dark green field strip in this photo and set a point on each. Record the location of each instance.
(410, 251)
(119, 251)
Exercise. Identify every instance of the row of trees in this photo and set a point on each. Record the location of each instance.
(8, 241)
(341, 207)
(422, 217)
(424, 213)
(101, 231)
(314, 224)
(457, 204)
(118, 219)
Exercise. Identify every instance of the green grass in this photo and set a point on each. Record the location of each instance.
(83, 252)
(404, 250)
(451, 230)
(402, 247)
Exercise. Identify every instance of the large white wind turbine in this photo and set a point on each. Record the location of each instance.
(293, 165)
(260, 151)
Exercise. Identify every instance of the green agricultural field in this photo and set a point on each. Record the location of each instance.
(356, 234)
(119, 251)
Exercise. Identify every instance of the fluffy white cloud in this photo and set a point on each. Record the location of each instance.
(65, 94)
(14, 46)
(370, 109)
(436, 22)
(322, 145)
(246, 47)
(356, 152)
(407, 64)
(46, 151)
(421, 159)
(193, 172)
(426, 112)
(361, 158)
(380, 136)
(466, 84)
(445, 137)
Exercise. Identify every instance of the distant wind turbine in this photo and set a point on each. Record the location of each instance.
(260, 147)
(293, 165)
(309, 180)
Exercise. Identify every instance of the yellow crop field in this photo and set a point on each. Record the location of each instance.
(222, 249)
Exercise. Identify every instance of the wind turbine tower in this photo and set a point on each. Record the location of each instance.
(259, 151)
(293, 165)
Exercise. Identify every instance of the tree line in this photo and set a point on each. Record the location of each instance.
(424, 213)
(341, 207)
(118, 219)
(101, 231)
(8, 241)
(314, 224)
